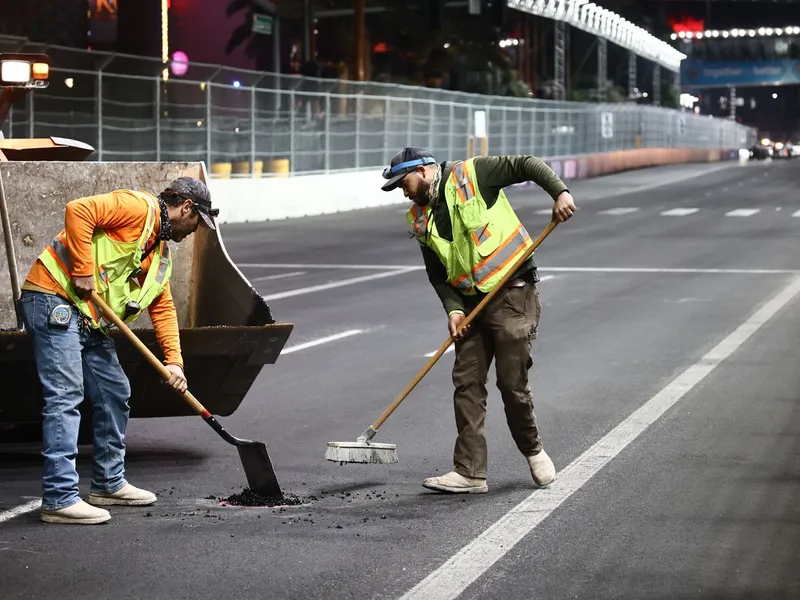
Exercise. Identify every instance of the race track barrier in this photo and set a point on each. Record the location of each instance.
(275, 198)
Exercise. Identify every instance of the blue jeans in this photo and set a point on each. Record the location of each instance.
(72, 360)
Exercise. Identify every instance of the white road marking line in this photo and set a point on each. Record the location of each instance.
(399, 269)
(660, 270)
(742, 212)
(326, 266)
(20, 510)
(450, 348)
(278, 276)
(544, 211)
(689, 299)
(547, 277)
(320, 341)
(449, 580)
(796, 213)
(679, 212)
(618, 211)
(336, 284)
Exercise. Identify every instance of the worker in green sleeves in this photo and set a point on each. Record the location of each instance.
(470, 238)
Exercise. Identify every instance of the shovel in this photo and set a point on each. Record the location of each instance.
(255, 460)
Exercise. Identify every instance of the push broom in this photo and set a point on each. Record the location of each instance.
(255, 459)
(363, 450)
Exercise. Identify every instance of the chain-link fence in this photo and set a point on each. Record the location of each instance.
(245, 122)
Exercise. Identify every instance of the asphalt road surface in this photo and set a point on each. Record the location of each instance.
(666, 387)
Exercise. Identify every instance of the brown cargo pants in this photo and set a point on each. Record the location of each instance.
(504, 331)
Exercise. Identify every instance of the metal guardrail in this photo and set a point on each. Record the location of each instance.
(245, 122)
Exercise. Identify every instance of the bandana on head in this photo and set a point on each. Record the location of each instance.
(165, 233)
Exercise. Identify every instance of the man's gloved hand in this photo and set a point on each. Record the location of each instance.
(453, 322)
(84, 286)
(178, 379)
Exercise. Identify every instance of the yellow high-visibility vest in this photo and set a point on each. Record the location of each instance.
(116, 264)
(487, 242)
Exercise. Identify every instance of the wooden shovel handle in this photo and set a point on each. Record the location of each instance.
(443, 348)
(151, 358)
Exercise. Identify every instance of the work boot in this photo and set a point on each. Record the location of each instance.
(543, 470)
(128, 495)
(456, 483)
(79, 513)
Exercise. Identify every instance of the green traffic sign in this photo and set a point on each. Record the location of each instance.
(262, 24)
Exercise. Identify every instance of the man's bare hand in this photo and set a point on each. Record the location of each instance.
(453, 323)
(564, 207)
(178, 379)
(84, 286)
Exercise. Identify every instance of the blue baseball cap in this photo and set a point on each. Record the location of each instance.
(405, 161)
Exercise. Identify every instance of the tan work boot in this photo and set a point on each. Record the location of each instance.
(542, 468)
(456, 483)
(126, 496)
(79, 513)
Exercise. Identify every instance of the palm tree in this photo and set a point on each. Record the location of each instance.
(244, 31)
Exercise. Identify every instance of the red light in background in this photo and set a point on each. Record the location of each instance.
(687, 24)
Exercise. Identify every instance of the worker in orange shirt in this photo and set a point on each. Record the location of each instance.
(116, 244)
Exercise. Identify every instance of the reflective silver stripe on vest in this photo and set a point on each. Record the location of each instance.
(62, 253)
(464, 283)
(501, 256)
(150, 221)
(162, 267)
(420, 221)
(483, 235)
(462, 179)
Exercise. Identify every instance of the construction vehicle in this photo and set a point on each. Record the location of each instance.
(227, 330)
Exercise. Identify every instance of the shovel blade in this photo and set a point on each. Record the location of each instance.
(258, 469)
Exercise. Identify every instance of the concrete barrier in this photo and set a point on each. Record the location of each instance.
(274, 198)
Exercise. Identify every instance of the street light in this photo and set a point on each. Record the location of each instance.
(24, 70)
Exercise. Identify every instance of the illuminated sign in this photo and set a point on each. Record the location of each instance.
(103, 9)
(262, 24)
(103, 22)
(727, 74)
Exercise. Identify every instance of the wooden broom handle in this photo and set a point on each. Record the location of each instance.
(443, 348)
(151, 358)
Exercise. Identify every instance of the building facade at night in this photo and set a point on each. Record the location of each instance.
(202, 29)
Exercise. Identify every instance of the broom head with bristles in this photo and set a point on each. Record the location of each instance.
(361, 452)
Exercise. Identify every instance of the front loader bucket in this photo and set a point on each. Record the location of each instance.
(227, 330)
